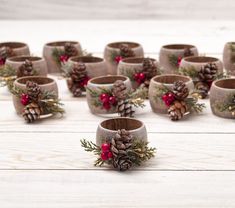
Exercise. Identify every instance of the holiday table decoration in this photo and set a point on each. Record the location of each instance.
(79, 69)
(229, 58)
(20, 66)
(113, 94)
(36, 97)
(222, 98)
(203, 70)
(121, 143)
(171, 56)
(139, 70)
(58, 53)
(9, 49)
(171, 94)
(116, 51)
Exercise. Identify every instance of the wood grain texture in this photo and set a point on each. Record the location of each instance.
(63, 151)
(121, 9)
(73, 189)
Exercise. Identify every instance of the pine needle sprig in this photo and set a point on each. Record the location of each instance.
(194, 105)
(190, 71)
(173, 60)
(56, 54)
(52, 106)
(141, 92)
(160, 91)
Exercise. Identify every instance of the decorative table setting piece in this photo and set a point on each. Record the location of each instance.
(203, 70)
(171, 55)
(10, 49)
(139, 70)
(59, 52)
(222, 98)
(171, 94)
(78, 70)
(116, 51)
(121, 143)
(36, 97)
(113, 94)
(229, 58)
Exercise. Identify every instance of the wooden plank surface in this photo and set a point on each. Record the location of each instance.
(121, 9)
(43, 165)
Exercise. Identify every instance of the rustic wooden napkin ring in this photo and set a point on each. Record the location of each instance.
(99, 93)
(222, 98)
(134, 68)
(116, 51)
(58, 53)
(157, 105)
(172, 54)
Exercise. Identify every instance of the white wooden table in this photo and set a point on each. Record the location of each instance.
(43, 165)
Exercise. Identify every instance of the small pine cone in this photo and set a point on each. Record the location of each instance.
(120, 145)
(188, 52)
(78, 72)
(5, 52)
(126, 51)
(70, 50)
(149, 68)
(145, 84)
(202, 89)
(208, 72)
(31, 112)
(77, 91)
(177, 110)
(119, 90)
(180, 90)
(124, 108)
(33, 91)
(26, 69)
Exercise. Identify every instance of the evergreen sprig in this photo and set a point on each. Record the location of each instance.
(161, 90)
(56, 54)
(190, 71)
(173, 60)
(193, 104)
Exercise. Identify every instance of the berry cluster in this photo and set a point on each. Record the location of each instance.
(63, 58)
(118, 59)
(106, 151)
(2, 61)
(108, 100)
(24, 99)
(168, 98)
(139, 77)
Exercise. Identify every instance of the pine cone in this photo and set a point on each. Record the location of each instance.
(119, 90)
(5, 52)
(208, 72)
(76, 90)
(31, 112)
(70, 50)
(124, 108)
(180, 90)
(145, 84)
(188, 52)
(149, 68)
(202, 89)
(120, 145)
(78, 72)
(126, 51)
(26, 69)
(33, 91)
(177, 110)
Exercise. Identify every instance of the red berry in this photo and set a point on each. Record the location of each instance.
(64, 58)
(24, 99)
(118, 59)
(2, 61)
(104, 97)
(104, 156)
(110, 155)
(112, 100)
(142, 76)
(168, 98)
(179, 61)
(164, 97)
(105, 147)
(136, 76)
(106, 105)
